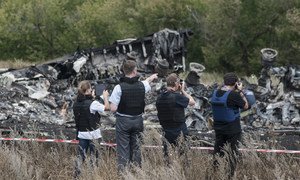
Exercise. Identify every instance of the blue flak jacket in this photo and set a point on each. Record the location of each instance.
(221, 112)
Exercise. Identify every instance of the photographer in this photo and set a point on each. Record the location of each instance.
(87, 118)
(170, 107)
(226, 104)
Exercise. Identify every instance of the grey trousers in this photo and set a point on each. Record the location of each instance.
(128, 138)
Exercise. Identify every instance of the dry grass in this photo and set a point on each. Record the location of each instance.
(251, 79)
(209, 78)
(15, 64)
(31, 160)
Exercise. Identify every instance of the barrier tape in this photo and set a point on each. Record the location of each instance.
(53, 140)
(147, 146)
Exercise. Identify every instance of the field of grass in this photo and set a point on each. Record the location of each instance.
(33, 160)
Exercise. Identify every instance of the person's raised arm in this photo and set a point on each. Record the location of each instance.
(113, 107)
(151, 78)
(191, 99)
(239, 86)
(105, 99)
(115, 98)
(246, 106)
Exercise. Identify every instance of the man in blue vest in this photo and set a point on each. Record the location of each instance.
(128, 101)
(226, 104)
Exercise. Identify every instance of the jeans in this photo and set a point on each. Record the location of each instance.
(172, 135)
(85, 147)
(128, 138)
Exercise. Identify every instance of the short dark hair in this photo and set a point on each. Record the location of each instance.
(172, 79)
(128, 66)
(230, 79)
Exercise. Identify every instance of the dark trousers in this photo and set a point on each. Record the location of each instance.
(172, 136)
(85, 147)
(232, 140)
(128, 138)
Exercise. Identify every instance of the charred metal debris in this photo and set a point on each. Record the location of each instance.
(42, 96)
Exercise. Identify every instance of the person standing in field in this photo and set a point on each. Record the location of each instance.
(170, 107)
(87, 118)
(128, 101)
(226, 104)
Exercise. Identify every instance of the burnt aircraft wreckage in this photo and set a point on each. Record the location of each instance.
(38, 99)
(41, 96)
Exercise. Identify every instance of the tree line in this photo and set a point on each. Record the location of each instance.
(228, 34)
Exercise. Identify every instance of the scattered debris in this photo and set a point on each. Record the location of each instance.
(42, 96)
(277, 92)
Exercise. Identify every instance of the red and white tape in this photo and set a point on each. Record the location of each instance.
(256, 150)
(52, 140)
(40, 140)
(273, 151)
(146, 146)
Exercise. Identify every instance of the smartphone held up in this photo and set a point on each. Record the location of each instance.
(99, 88)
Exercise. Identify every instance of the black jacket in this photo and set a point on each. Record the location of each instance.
(85, 121)
(133, 96)
(169, 113)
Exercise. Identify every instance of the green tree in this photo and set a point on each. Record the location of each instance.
(32, 29)
(238, 29)
(288, 37)
(228, 34)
